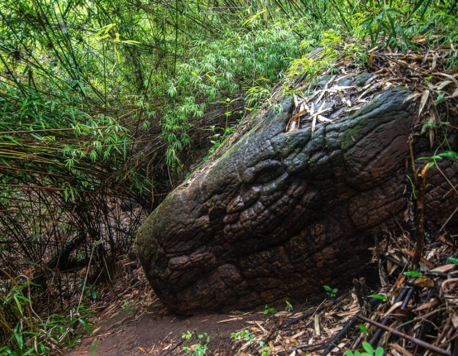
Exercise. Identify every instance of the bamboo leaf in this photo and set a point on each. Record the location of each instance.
(104, 29)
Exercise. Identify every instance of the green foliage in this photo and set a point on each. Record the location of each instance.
(453, 260)
(268, 310)
(413, 274)
(445, 154)
(200, 348)
(64, 329)
(236, 64)
(363, 328)
(249, 337)
(22, 334)
(330, 291)
(378, 296)
(245, 334)
(217, 138)
(88, 290)
(289, 307)
(94, 348)
(369, 351)
(382, 24)
(334, 47)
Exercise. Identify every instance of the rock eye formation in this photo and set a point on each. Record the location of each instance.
(280, 214)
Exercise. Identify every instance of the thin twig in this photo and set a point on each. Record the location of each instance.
(449, 218)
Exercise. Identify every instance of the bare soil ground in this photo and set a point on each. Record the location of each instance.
(132, 321)
(153, 334)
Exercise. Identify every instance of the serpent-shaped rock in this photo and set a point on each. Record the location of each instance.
(280, 214)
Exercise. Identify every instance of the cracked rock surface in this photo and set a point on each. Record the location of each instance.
(281, 214)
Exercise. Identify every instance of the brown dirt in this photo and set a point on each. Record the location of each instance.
(151, 333)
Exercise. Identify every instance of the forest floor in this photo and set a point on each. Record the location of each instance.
(132, 321)
(155, 334)
(418, 311)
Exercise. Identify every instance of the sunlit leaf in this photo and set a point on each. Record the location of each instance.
(378, 296)
(413, 274)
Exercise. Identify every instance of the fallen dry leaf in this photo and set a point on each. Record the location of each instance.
(444, 268)
(424, 282)
(455, 320)
(431, 304)
(423, 101)
(393, 307)
(317, 324)
(400, 349)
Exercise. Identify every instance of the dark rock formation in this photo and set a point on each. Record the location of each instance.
(281, 214)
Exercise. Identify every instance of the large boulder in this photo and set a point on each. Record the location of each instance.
(281, 214)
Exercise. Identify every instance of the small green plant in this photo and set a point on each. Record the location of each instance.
(89, 290)
(453, 260)
(198, 349)
(94, 347)
(382, 28)
(187, 335)
(432, 159)
(330, 291)
(217, 138)
(289, 307)
(65, 328)
(268, 310)
(245, 334)
(369, 351)
(363, 328)
(264, 349)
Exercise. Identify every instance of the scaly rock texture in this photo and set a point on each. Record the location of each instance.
(281, 214)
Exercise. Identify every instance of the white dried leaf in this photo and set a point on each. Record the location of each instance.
(433, 65)
(423, 101)
(394, 307)
(412, 97)
(455, 320)
(323, 119)
(317, 324)
(442, 85)
(313, 123)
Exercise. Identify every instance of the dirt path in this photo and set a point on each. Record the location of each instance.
(153, 334)
(130, 320)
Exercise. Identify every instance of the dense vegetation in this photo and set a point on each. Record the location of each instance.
(102, 101)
